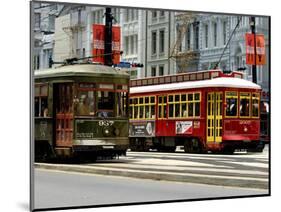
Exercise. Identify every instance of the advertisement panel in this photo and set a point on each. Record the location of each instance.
(142, 129)
(98, 43)
(184, 127)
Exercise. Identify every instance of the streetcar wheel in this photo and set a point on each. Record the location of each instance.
(228, 150)
(193, 146)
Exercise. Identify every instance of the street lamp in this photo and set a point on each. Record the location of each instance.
(254, 66)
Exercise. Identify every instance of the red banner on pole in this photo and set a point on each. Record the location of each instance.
(250, 49)
(98, 43)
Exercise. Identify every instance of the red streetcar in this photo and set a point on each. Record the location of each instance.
(202, 111)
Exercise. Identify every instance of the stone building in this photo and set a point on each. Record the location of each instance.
(43, 31)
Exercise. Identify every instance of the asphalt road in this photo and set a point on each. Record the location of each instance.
(64, 189)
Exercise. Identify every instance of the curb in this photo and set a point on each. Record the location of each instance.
(167, 176)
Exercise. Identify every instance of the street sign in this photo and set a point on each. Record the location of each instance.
(250, 49)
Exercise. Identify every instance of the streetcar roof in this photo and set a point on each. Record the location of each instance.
(78, 70)
(227, 82)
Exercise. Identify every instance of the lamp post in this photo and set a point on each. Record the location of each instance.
(108, 37)
(254, 66)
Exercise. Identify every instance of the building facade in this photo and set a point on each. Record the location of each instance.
(43, 30)
(168, 42)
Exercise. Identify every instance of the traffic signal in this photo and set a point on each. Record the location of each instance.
(137, 65)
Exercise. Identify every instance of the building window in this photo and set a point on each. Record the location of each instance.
(116, 14)
(132, 15)
(37, 20)
(127, 45)
(153, 42)
(131, 44)
(161, 70)
(196, 37)
(215, 34)
(153, 71)
(52, 22)
(224, 32)
(136, 44)
(136, 14)
(162, 41)
(162, 13)
(127, 15)
(187, 39)
(154, 14)
(206, 36)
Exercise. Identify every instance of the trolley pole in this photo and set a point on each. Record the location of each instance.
(254, 66)
(108, 37)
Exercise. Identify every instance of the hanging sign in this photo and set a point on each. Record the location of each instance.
(98, 43)
(250, 49)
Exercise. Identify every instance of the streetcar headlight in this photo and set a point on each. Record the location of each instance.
(106, 132)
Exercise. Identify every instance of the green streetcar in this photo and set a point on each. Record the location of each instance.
(80, 110)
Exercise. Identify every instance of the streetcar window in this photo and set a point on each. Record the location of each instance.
(183, 97)
(197, 96)
(171, 110)
(106, 102)
(171, 98)
(131, 112)
(197, 108)
(141, 100)
(143, 108)
(86, 103)
(153, 111)
(184, 110)
(231, 104)
(121, 104)
(190, 109)
(162, 102)
(255, 104)
(147, 112)
(245, 104)
(141, 112)
(197, 99)
(177, 98)
(146, 100)
(136, 111)
(184, 105)
(36, 114)
(41, 100)
(152, 99)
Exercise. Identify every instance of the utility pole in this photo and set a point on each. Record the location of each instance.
(254, 66)
(108, 37)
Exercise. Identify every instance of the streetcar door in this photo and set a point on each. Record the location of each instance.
(214, 117)
(63, 97)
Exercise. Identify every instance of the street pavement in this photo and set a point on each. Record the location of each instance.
(54, 189)
(248, 170)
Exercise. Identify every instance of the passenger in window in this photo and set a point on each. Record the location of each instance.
(83, 107)
(244, 107)
(231, 107)
(45, 112)
(103, 114)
